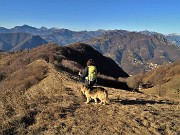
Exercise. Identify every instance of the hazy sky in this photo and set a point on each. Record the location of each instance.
(135, 15)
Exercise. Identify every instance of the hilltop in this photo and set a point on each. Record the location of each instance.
(40, 94)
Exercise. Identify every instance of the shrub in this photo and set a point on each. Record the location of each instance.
(134, 81)
(72, 65)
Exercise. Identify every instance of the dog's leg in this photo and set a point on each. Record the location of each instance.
(88, 99)
(95, 100)
(101, 102)
(104, 103)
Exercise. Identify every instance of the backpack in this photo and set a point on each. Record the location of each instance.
(92, 73)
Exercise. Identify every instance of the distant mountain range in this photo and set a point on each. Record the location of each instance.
(19, 41)
(133, 51)
(172, 38)
(59, 36)
(65, 36)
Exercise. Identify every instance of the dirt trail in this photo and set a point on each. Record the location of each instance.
(60, 109)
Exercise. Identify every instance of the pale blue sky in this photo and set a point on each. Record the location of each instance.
(135, 15)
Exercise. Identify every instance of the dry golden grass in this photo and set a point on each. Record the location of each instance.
(56, 106)
(165, 81)
(162, 74)
(36, 98)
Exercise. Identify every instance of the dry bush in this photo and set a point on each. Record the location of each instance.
(134, 81)
(72, 65)
(106, 77)
(112, 82)
(122, 79)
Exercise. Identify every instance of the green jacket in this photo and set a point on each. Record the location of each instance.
(92, 73)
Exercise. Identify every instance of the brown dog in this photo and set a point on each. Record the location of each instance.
(94, 93)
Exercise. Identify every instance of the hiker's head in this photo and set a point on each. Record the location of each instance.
(90, 62)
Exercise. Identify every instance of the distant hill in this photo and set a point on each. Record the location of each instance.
(59, 36)
(136, 52)
(25, 29)
(174, 38)
(19, 41)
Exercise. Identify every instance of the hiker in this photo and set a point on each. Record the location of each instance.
(89, 73)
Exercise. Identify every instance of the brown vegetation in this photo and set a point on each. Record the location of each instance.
(56, 106)
(37, 97)
(164, 80)
(71, 65)
(133, 82)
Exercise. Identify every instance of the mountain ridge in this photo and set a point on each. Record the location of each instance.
(19, 41)
(135, 52)
(158, 49)
(42, 31)
(60, 36)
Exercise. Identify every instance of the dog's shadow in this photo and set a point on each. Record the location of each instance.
(139, 102)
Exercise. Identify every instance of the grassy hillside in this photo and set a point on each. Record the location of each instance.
(164, 81)
(39, 98)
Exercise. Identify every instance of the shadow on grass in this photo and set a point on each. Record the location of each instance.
(140, 102)
(100, 81)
